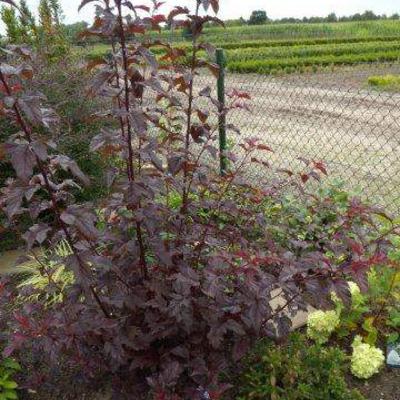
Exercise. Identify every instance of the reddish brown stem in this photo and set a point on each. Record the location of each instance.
(131, 173)
(185, 195)
(122, 39)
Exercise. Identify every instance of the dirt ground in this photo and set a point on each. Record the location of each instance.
(331, 115)
(385, 386)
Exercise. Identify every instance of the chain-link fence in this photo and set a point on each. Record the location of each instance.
(333, 116)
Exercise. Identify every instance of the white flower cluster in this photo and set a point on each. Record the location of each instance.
(366, 360)
(321, 324)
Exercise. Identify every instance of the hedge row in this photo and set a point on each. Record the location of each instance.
(298, 63)
(311, 51)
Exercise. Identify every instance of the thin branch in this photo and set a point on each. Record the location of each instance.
(131, 172)
(185, 196)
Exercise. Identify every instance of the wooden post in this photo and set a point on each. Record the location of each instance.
(222, 117)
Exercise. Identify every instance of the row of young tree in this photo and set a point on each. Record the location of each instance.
(259, 17)
(46, 31)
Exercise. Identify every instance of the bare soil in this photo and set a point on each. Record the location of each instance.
(385, 386)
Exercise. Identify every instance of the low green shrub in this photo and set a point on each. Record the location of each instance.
(312, 222)
(305, 226)
(8, 386)
(386, 82)
(295, 371)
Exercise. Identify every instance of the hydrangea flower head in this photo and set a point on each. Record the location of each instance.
(321, 324)
(366, 360)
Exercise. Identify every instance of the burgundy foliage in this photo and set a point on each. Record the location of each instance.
(166, 297)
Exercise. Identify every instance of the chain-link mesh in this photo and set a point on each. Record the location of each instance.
(333, 116)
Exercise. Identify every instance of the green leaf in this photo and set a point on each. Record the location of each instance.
(4, 376)
(393, 337)
(11, 395)
(369, 327)
(10, 385)
(11, 364)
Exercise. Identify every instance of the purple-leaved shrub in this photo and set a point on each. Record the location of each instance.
(175, 269)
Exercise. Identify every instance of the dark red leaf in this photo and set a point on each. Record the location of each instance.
(22, 159)
(84, 3)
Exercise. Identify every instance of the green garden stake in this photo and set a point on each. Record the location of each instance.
(222, 117)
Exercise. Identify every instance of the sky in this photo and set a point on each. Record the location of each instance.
(231, 9)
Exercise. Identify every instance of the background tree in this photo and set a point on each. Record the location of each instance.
(72, 31)
(10, 20)
(56, 11)
(369, 16)
(27, 23)
(332, 18)
(258, 17)
(53, 41)
(45, 17)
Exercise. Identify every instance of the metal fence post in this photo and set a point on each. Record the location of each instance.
(222, 117)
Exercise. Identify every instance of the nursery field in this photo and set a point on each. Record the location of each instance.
(311, 56)
(288, 48)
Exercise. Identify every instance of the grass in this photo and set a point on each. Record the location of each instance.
(385, 82)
